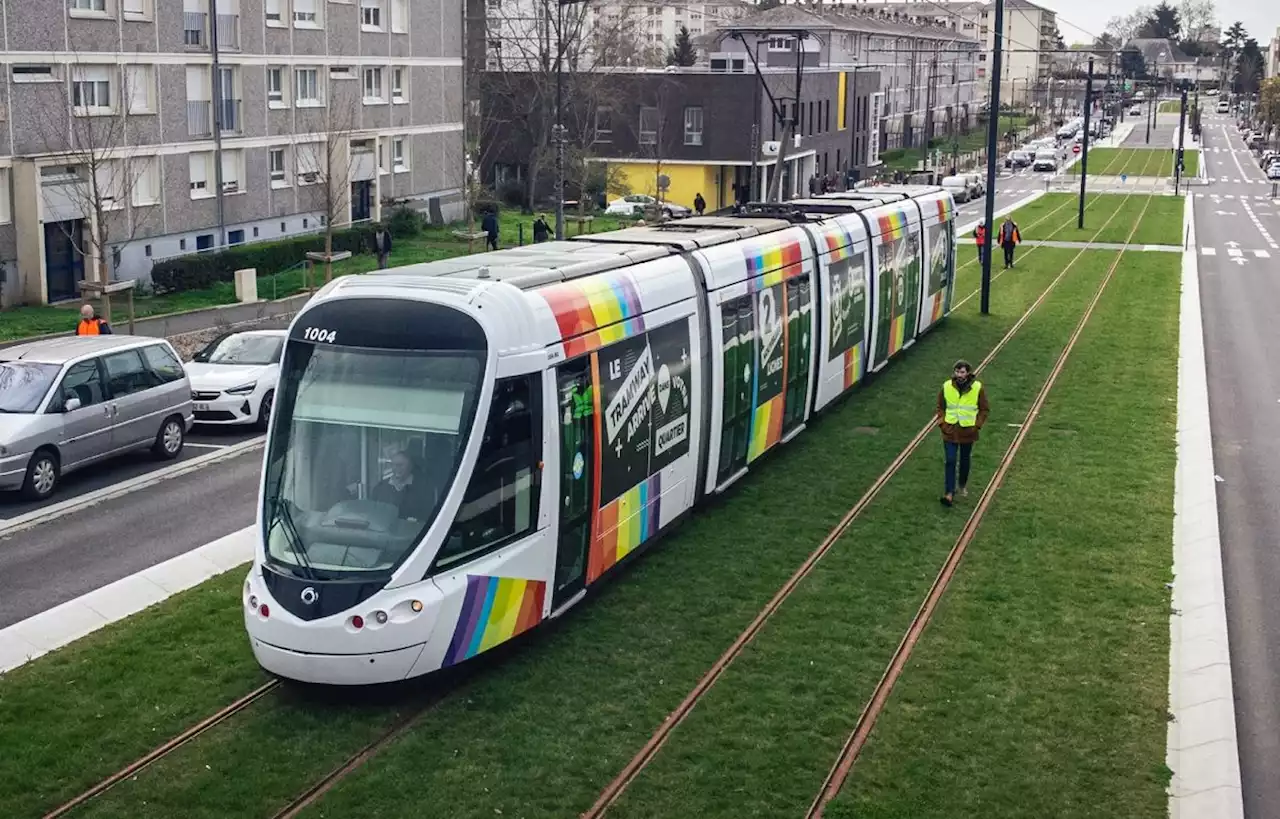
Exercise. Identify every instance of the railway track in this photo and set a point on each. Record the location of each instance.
(155, 755)
(646, 754)
(401, 726)
(839, 772)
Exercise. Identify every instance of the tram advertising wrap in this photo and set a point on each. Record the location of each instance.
(500, 433)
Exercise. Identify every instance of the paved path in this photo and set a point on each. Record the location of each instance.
(1240, 290)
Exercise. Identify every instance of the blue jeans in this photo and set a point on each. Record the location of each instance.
(956, 452)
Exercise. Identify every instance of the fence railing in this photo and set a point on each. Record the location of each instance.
(195, 25)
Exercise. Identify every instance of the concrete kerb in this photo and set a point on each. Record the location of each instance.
(1202, 749)
(62, 625)
(1026, 200)
(50, 513)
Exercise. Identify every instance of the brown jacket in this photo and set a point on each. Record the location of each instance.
(955, 433)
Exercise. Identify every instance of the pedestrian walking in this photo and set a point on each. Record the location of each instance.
(1010, 237)
(962, 410)
(380, 243)
(541, 230)
(699, 204)
(980, 239)
(490, 227)
(91, 325)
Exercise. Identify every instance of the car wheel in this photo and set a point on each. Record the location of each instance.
(170, 438)
(668, 213)
(264, 410)
(43, 473)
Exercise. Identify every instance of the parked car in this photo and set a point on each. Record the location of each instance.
(977, 184)
(70, 402)
(1135, 111)
(635, 204)
(233, 379)
(958, 187)
(1273, 170)
(1018, 159)
(1223, 106)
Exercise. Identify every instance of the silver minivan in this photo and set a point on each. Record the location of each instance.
(66, 403)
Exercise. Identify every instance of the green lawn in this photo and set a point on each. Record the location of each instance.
(906, 159)
(1040, 688)
(1109, 217)
(1137, 162)
(583, 693)
(1175, 106)
(432, 244)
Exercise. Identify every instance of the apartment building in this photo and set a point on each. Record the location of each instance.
(516, 35)
(1272, 68)
(692, 127)
(929, 73)
(1030, 39)
(207, 123)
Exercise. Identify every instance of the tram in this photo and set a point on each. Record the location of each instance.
(460, 450)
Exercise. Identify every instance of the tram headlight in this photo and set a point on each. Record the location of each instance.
(380, 617)
(416, 605)
(253, 601)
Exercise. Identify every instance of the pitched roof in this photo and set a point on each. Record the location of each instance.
(1152, 47)
(790, 17)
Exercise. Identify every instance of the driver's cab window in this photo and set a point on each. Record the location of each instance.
(83, 381)
(501, 501)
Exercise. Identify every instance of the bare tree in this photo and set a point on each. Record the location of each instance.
(326, 160)
(1124, 28)
(654, 129)
(86, 123)
(525, 42)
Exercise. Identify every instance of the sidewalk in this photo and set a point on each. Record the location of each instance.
(211, 318)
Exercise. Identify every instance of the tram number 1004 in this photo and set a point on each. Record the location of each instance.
(319, 334)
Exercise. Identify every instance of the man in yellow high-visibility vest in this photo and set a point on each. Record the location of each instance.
(962, 410)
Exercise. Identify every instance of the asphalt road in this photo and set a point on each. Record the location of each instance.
(1236, 224)
(59, 561)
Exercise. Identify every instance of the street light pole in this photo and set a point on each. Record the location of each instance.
(1084, 148)
(557, 132)
(1182, 124)
(993, 133)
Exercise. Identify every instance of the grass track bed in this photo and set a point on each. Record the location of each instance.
(770, 729)
(1040, 688)
(1160, 225)
(542, 734)
(158, 672)
(1145, 161)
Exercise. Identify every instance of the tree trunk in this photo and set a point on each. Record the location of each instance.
(328, 251)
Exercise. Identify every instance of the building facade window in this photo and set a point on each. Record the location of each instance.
(371, 15)
(398, 161)
(400, 16)
(199, 164)
(273, 11)
(276, 162)
(89, 6)
(648, 126)
(306, 13)
(373, 85)
(140, 88)
(146, 181)
(693, 125)
(275, 87)
(306, 86)
(604, 124)
(397, 85)
(91, 89)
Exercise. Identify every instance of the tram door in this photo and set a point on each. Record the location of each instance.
(577, 477)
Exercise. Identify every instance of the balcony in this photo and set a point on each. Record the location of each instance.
(199, 118)
(195, 25)
(229, 31)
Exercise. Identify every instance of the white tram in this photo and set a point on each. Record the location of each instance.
(461, 449)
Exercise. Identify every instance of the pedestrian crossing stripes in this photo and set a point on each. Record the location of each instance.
(1236, 252)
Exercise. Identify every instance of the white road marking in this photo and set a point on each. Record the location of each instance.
(206, 446)
(1262, 254)
(1208, 251)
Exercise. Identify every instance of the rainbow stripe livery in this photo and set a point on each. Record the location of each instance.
(595, 311)
(897, 332)
(839, 243)
(853, 369)
(766, 426)
(893, 225)
(768, 265)
(494, 610)
(624, 525)
(939, 302)
(944, 210)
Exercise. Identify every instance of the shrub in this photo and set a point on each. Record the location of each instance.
(404, 222)
(203, 270)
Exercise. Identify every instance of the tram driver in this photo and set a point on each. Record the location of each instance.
(405, 490)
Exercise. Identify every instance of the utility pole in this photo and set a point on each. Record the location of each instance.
(993, 133)
(216, 103)
(928, 112)
(1177, 160)
(557, 131)
(1084, 149)
(788, 133)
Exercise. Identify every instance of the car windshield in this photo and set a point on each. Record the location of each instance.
(364, 451)
(242, 348)
(23, 384)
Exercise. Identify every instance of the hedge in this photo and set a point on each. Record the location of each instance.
(199, 271)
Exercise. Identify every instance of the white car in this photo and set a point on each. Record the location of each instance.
(1273, 170)
(1045, 161)
(958, 187)
(634, 205)
(233, 379)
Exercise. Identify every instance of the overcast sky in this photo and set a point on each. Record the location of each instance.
(1260, 17)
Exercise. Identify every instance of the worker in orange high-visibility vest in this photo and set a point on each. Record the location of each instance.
(91, 325)
(980, 238)
(1010, 237)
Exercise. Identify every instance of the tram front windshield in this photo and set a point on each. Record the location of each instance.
(364, 451)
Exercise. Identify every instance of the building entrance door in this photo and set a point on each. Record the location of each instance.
(63, 259)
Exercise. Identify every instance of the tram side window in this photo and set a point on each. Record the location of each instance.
(501, 501)
(738, 328)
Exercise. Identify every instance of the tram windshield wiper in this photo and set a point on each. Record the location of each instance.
(285, 518)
